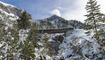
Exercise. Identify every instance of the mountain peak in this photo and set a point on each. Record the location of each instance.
(55, 16)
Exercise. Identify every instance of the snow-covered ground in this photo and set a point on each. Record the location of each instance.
(80, 46)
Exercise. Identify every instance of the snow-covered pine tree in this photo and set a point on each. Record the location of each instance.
(28, 48)
(93, 14)
(94, 17)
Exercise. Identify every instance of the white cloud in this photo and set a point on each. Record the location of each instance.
(102, 3)
(78, 10)
(56, 12)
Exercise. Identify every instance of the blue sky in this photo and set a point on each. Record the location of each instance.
(39, 9)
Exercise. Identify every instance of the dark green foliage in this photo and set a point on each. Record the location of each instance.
(24, 22)
(33, 35)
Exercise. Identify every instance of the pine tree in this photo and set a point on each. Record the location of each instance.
(93, 14)
(24, 22)
(33, 34)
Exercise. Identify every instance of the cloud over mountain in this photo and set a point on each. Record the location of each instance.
(56, 12)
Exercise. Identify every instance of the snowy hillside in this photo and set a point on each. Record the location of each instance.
(10, 9)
